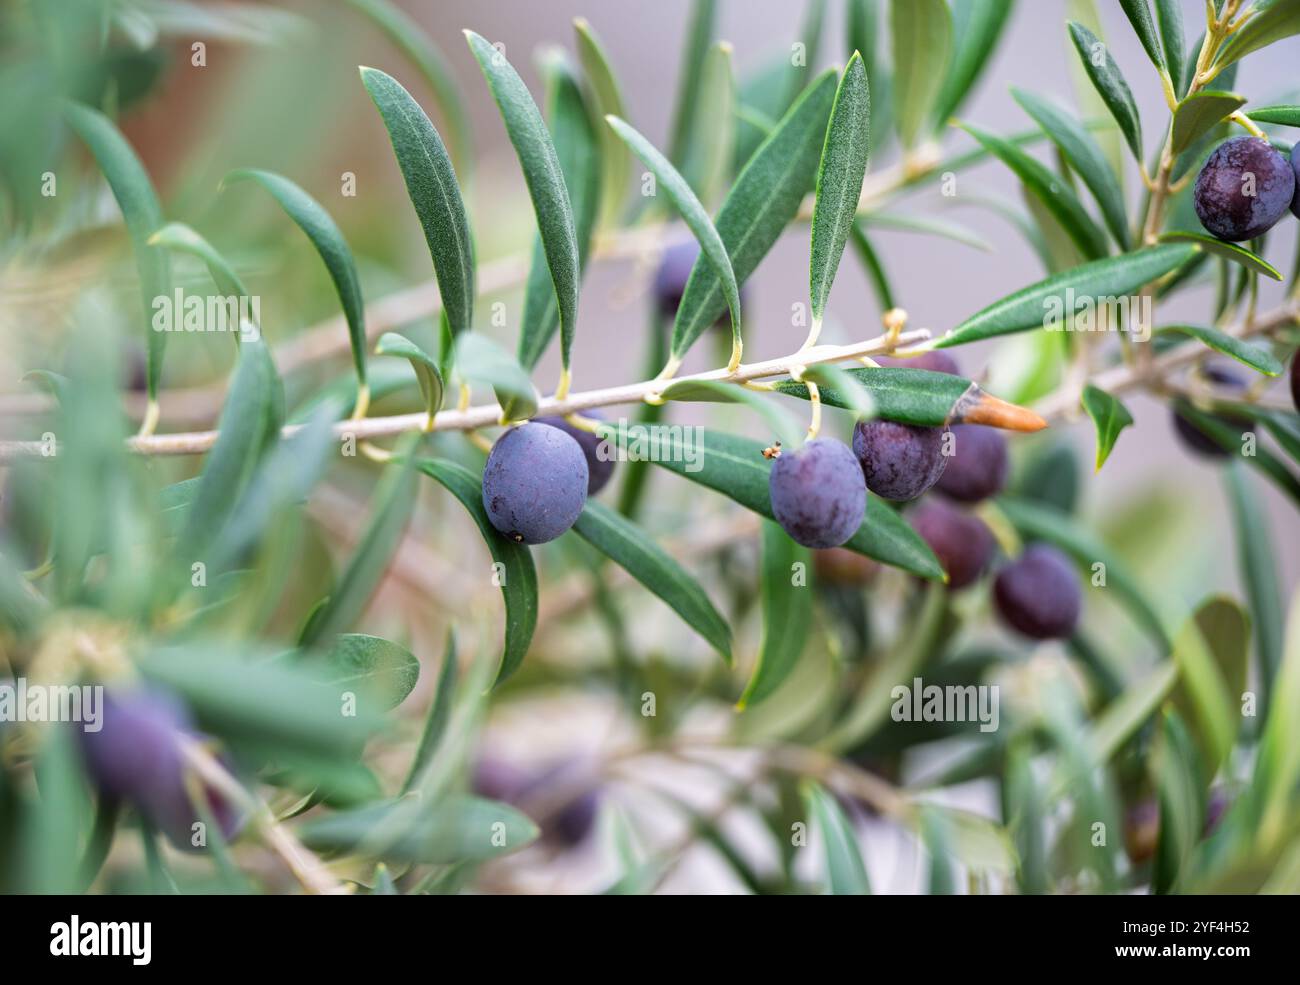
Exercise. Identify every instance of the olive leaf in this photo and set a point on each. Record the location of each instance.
(921, 31)
(1244, 352)
(424, 365)
(762, 201)
(178, 236)
(1054, 193)
(846, 874)
(416, 44)
(787, 614)
(576, 147)
(697, 219)
(709, 151)
(482, 360)
(141, 212)
(328, 240)
(1027, 308)
(1229, 251)
(977, 28)
(544, 177)
(926, 225)
(1270, 21)
(519, 577)
(875, 269)
(1109, 83)
(1109, 416)
(696, 42)
(605, 99)
(839, 180)
(375, 664)
(1287, 116)
(1199, 113)
(435, 723)
(1139, 15)
(1084, 156)
(1169, 18)
(434, 192)
(713, 391)
(628, 546)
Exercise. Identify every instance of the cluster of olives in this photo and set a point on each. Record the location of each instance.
(1038, 594)
(136, 757)
(1245, 187)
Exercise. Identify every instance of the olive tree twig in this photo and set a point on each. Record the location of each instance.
(488, 415)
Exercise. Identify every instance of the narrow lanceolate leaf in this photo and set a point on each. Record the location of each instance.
(925, 225)
(414, 42)
(1271, 20)
(178, 236)
(576, 147)
(787, 613)
(1200, 113)
(434, 191)
(1029, 307)
(249, 424)
(1169, 18)
(1109, 416)
(1244, 352)
(519, 576)
(481, 360)
(326, 236)
(1208, 648)
(698, 36)
(763, 200)
(850, 393)
(141, 212)
(924, 399)
(424, 365)
(922, 36)
(1139, 15)
(1039, 521)
(392, 502)
(435, 723)
(711, 246)
(1229, 251)
(1057, 196)
(1287, 116)
(875, 269)
(630, 547)
(1109, 83)
(846, 874)
(735, 467)
(710, 149)
(839, 180)
(606, 99)
(977, 26)
(1083, 155)
(545, 180)
(1257, 564)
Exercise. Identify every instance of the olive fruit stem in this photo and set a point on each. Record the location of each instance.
(362, 405)
(814, 398)
(152, 413)
(1245, 121)
(566, 381)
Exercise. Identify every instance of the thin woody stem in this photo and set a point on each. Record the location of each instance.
(488, 415)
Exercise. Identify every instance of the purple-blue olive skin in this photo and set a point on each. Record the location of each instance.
(936, 361)
(899, 461)
(535, 483)
(1039, 594)
(1197, 440)
(978, 465)
(567, 824)
(1223, 192)
(674, 271)
(817, 493)
(599, 469)
(960, 540)
(1295, 199)
(136, 757)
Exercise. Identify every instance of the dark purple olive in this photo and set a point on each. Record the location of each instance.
(978, 465)
(1244, 188)
(535, 483)
(1039, 593)
(935, 360)
(1197, 440)
(817, 493)
(960, 540)
(899, 461)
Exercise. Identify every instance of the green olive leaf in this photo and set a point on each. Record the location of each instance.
(1244, 352)
(605, 99)
(631, 548)
(1109, 416)
(977, 29)
(1109, 83)
(1139, 15)
(327, 238)
(544, 177)
(482, 360)
(1199, 113)
(1270, 21)
(424, 365)
(434, 192)
(1287, 116)
(839, 181)
(787, 614)
(519, 576)
(921, 31)
(1169, 18)
(1229, 251)
(846, 874)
